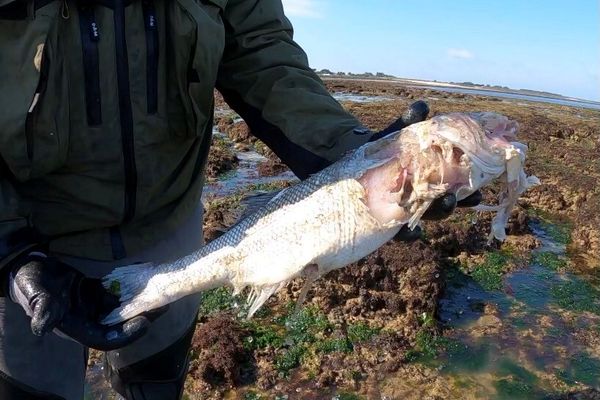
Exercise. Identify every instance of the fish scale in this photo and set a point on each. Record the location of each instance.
(340, 214)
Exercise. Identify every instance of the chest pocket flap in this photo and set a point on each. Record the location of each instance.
(219, 3)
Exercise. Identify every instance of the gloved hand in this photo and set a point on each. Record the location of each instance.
(441, 207)
(59, 297)
(416, 112)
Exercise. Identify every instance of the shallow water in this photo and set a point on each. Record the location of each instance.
(516, 96)
(245, 174)
(358, 98)
(526, 340)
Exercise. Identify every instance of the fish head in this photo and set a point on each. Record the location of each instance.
(451, 153)
(491, 152)
(410, 168)
(487, 143)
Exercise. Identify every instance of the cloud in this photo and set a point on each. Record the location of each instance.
(302, 8)
(463, 54)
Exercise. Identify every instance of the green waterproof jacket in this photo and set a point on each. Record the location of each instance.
(106, 113)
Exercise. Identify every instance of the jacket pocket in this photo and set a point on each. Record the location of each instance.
(218, 3)
(34, 121)
(47, 121)
(214, 7)
(197, 73)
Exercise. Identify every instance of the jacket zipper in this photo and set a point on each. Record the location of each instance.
(90, 35)
(125, 112)
(151, 55)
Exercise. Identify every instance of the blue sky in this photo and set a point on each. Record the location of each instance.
(551, 45)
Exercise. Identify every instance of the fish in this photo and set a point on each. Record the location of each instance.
(341, 214)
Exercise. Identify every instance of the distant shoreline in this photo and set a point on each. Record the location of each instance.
(426, 83)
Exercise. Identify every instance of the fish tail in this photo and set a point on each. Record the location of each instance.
(127, 281)
(130, 283)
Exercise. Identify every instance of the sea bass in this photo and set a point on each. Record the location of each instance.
(341, 214)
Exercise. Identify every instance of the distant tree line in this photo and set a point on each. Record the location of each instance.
(506, 88)
(327, 72)
(481, 85)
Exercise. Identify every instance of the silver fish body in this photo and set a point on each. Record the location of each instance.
(340, 214)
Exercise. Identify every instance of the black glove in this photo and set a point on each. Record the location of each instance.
(443, 206)
(417, 112)
(57, 296)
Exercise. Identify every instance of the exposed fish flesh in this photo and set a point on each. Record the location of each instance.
(342, 213)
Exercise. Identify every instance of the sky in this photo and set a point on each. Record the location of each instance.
(550, 45)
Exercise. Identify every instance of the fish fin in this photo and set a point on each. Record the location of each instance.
(416, 217)
(126, 282)
(532, 180)
(130, 309)
(237, 289)
(251, 296)
(130, 283)
(259, 295)
(312, 274)
(486, 207)
(254, 202)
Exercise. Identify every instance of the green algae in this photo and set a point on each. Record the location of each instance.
(576, 295)
(509, 389)
(361, 332)
(290, 358)
(520, 323)
(216, 300)
(266, 186)
(228, 202)
(115, 288)
(251, 395)
(550, 260)
(489, 273)
(261, 148)
(302, 337)
(342, 345)
(582, 368)
(262, 335)
(304, 325)
(558, 230)
(305, 331)
(428, 346)
(451, 355)
(466, 358)
(427, 320)
(507, 367)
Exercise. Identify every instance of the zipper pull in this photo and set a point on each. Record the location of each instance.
(64, 10)
(94, 31)
(149, 15)
(88, 16)
(151, 22)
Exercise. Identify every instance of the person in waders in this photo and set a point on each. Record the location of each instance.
(106, 114)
